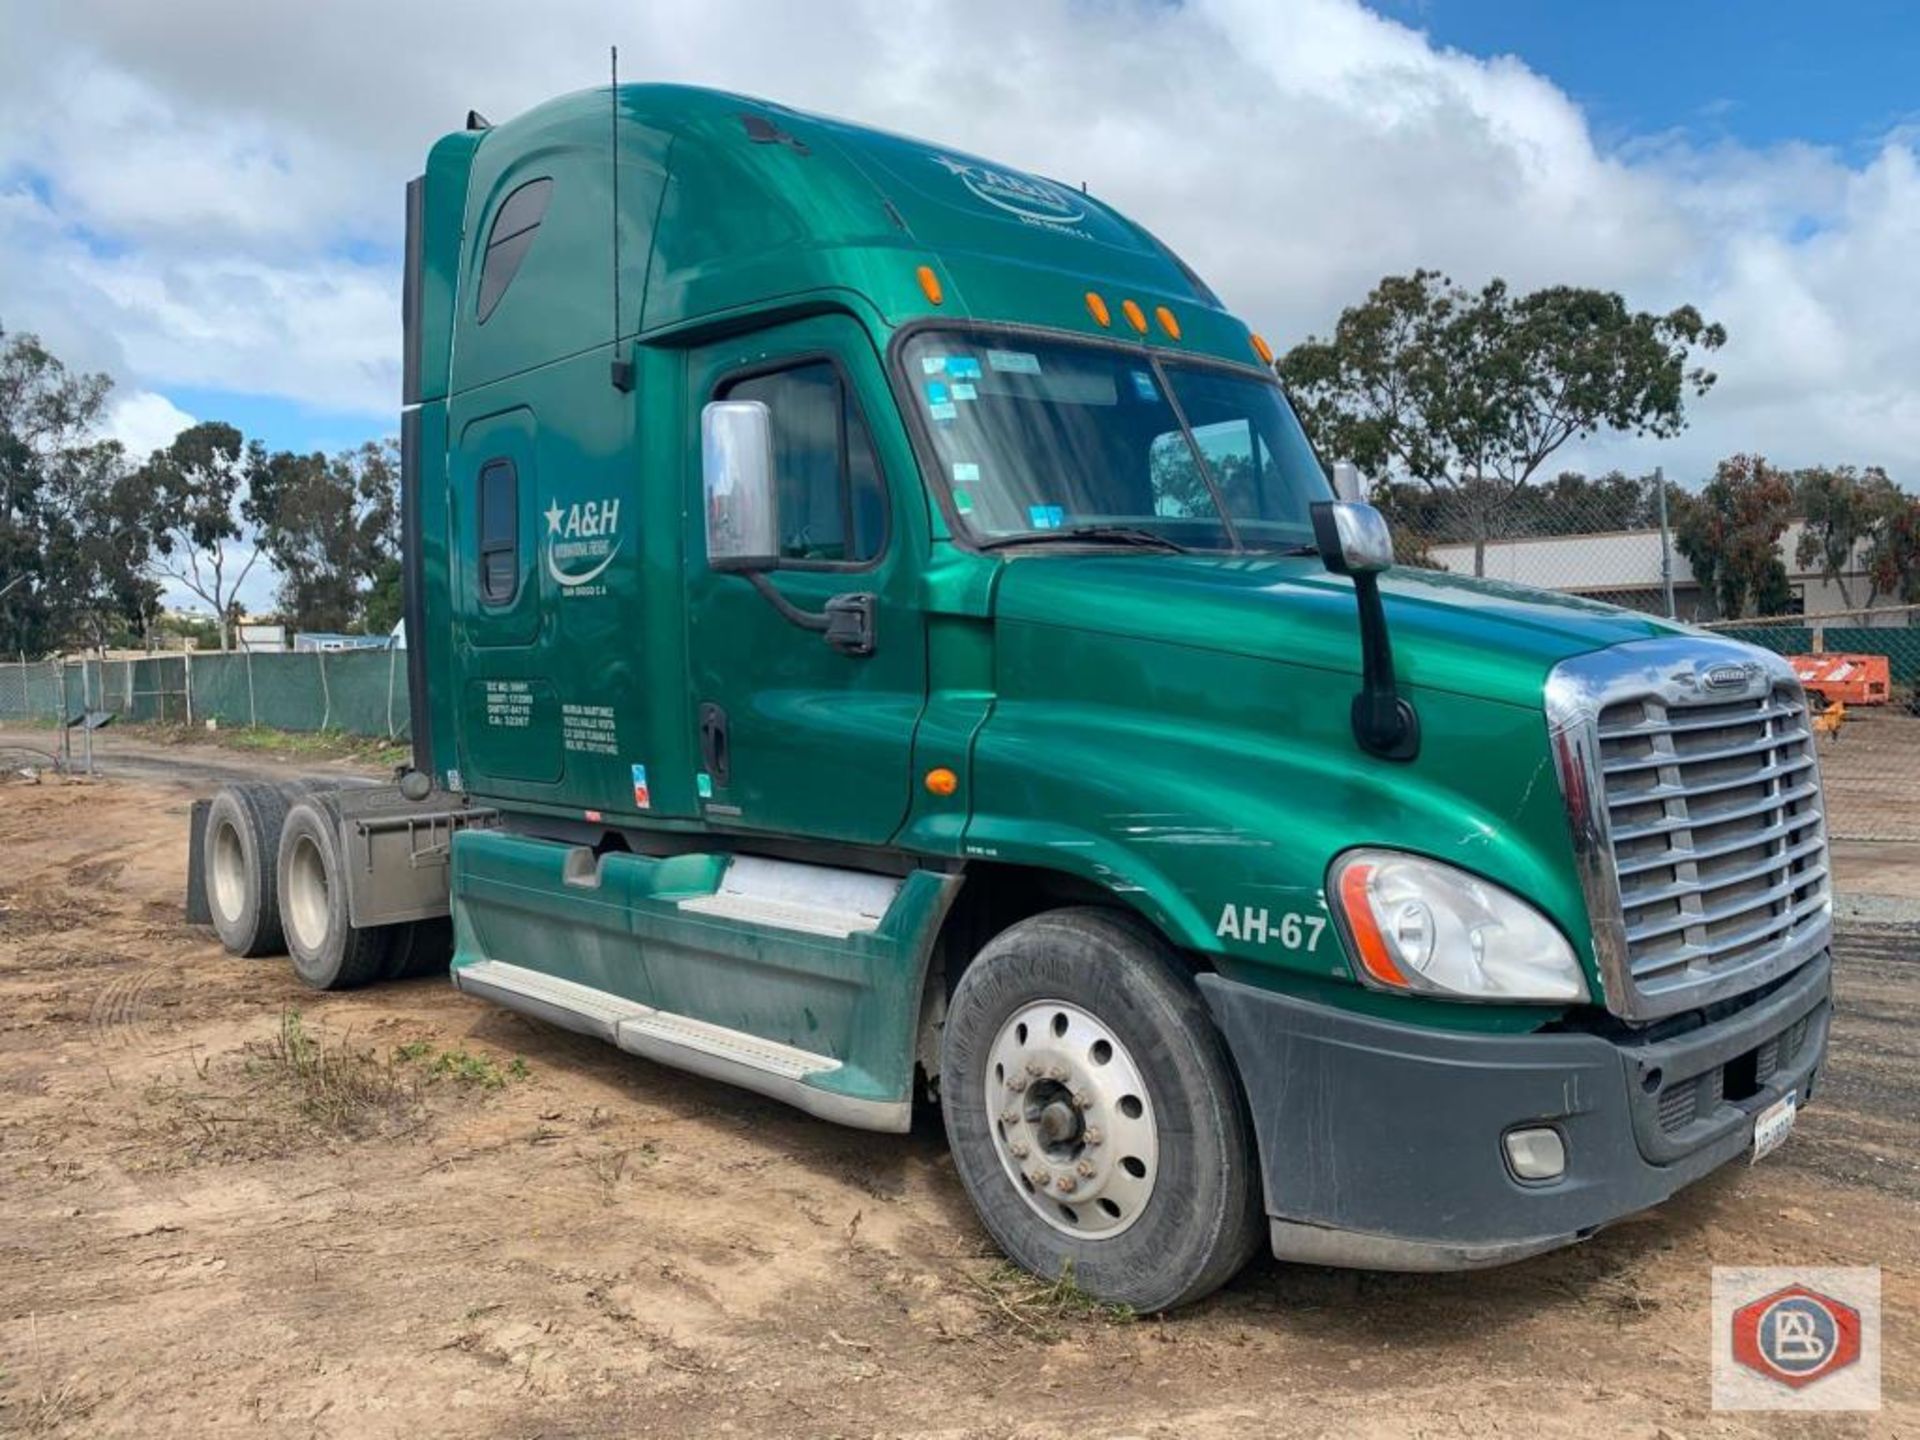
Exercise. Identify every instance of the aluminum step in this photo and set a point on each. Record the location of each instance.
(766, 1067)
(788, 895)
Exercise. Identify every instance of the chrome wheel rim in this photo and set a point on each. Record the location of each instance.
(1072, 1121)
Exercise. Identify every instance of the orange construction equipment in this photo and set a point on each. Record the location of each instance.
(1853, 679)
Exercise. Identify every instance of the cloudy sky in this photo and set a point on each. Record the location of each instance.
(203, 197)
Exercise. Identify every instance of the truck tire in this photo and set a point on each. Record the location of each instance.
(1094, 1115)
(420, 947)
(328, 952)
(242, 880)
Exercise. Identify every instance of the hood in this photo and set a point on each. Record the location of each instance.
(1471, 637)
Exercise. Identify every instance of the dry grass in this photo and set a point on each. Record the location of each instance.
(1044, 1310)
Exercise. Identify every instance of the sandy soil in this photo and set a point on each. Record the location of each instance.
(375, 1223)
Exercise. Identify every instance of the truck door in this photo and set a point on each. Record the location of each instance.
(796, 734)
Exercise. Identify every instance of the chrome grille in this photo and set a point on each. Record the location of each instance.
(1694, 789)
(1718, 842)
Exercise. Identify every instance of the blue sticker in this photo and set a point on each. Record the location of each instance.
(1014, 362)
(962, 367)
(943, 411)
(1046, 517)
(1143, 386)
(936, 391)
(703, 782)
(642, 796)
(932, 364)
(962, 391)
(965, 472)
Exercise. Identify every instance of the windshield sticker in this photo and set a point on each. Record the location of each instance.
(942, 411)
(1143, 386)
(703, 783)
(932, 364)
(936, 391)
(963, 501)
(962, 390)
(1046, 517)
(1014, 362)
(962, 367)
(965, 472)
(642, 797)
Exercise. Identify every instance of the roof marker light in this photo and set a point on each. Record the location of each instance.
(1167, 322)
(1097, 308)
(930, 283)
(1262, 349)
(1136, 317)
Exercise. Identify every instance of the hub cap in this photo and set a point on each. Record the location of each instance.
(228, 867)
(1072, 1122)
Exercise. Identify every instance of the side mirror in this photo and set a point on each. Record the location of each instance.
(1354, 540)
(1353, 537)
(736, 471)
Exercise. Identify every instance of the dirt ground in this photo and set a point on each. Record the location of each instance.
(232, 1206)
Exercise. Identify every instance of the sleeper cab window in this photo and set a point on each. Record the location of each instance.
(499, 507)
(833, 508)
(515, 224)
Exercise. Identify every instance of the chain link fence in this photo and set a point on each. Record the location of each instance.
(362, 692)
(1611, 540)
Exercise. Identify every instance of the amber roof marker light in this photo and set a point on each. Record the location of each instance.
(930, 284)
(1097, 308)
(1262, 349)
(1136, 317)
(942, 781)
(1167, 321)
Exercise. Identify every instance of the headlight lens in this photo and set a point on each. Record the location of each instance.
(1417, 925)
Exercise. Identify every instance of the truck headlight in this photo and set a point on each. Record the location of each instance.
(1418, 925)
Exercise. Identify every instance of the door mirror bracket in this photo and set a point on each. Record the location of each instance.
(1353, 540)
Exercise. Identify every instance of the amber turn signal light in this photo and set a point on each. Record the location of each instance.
(930, 283)
(942, 781)
(1367, 938)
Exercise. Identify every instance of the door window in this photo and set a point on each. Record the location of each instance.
(499, 533)
(833, 508)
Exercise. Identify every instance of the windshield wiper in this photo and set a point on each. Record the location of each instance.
(1302, 549)
(1114, 534)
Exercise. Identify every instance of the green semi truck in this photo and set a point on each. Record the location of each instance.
(878, 635)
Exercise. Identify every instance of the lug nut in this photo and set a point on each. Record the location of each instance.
(1020, 1149)
(1067, 1184)
(1009, 1117)
(1081, 1099)
(1040, 1176)
(1016, 1082)
(1057, 1072)
(1035, 1069)
(1085, 1167)
(1091, 1135)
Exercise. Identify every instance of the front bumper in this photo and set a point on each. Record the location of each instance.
(1381, 1143)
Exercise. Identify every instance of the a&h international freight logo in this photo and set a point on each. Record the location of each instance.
(1789, 1339)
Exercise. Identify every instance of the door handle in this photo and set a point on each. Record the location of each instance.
(715, 758)
(850, 624)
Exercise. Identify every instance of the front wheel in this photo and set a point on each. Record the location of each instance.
(1093, 1113)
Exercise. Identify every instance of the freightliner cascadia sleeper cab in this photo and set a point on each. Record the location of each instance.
(876, 628)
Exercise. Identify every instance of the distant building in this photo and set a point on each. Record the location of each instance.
(307, 641)
(1622, 567)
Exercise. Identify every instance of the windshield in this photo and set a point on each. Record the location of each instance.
(1041, 439)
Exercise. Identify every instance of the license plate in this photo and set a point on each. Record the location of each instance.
(1772, 1126)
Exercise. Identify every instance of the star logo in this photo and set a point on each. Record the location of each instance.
(554, 516)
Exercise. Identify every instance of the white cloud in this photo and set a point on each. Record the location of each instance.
(144, 421)
(201, 180)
